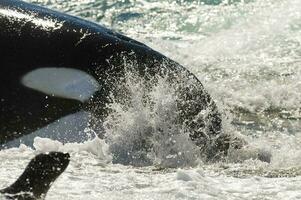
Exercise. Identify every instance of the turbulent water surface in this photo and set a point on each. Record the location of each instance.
(248, 56)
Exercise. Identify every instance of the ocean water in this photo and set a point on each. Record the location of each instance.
(248, 56)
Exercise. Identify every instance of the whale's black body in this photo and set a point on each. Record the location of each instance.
(37, 177)
(32, 37)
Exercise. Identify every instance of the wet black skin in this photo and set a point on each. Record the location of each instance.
(80, 44)
(38, 176)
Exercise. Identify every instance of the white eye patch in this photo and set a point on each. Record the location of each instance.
(62, 82)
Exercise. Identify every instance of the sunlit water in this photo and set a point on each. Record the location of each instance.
(248, 56)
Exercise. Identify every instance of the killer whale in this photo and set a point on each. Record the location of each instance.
(38, 176)
(39, 42)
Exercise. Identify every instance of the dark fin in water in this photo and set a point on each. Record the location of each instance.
(38, 176)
